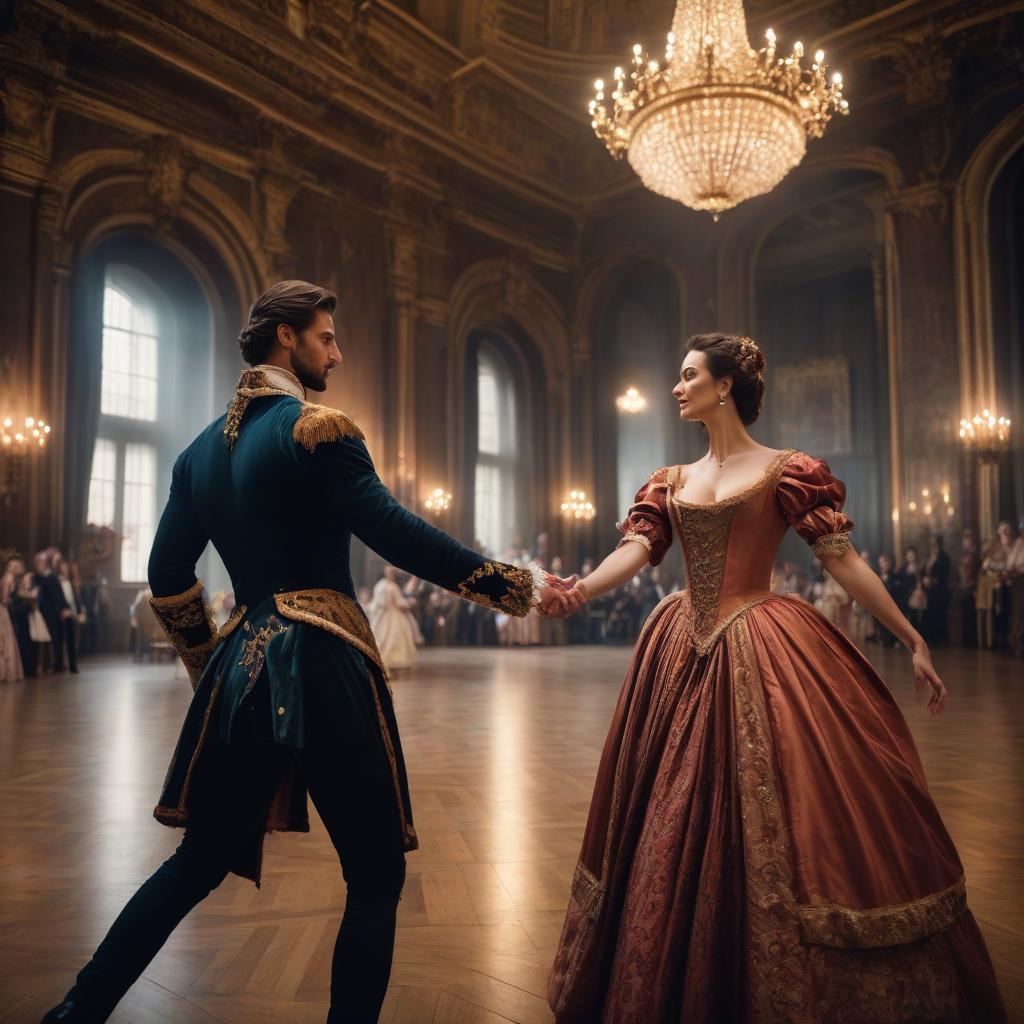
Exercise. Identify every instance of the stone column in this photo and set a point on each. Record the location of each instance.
(29, 213)
(926, 384)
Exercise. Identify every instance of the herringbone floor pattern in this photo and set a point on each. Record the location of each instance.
(502, 747)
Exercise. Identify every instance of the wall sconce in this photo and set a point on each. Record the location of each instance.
(438, 502)
(18, 440)
(986, 435)
(631, 402)
(577, 507)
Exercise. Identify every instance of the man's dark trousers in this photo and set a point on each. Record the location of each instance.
(346, 768)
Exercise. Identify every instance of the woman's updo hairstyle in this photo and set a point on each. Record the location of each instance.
(732, 355)
(288, 302)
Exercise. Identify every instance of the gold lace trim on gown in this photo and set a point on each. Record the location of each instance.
(829, 924)
(779, 984)
(704, 535)
(818, 962)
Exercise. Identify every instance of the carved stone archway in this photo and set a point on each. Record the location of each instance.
(971, 228)
(157, 189)
(494, 294)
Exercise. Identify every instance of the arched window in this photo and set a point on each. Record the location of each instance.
(496, 500)
(123, 482)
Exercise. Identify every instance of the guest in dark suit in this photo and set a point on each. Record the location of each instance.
(52, 603)
(891, 581)
(67, 637)
(936, 586)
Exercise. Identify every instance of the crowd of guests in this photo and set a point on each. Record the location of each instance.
(981, 594)
(42, 615)
(47, 618)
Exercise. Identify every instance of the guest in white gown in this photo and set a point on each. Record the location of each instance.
(393, 623)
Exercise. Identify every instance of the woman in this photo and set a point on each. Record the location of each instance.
(10, 654)
(761, 845)
(393, 623)
(911, 582)
(1000, 565)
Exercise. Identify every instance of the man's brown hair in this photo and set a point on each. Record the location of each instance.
(288, 302)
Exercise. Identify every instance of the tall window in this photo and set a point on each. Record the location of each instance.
(123, 483)
(495, 497)
(129, 358)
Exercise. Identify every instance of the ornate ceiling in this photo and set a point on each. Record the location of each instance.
(560, 46)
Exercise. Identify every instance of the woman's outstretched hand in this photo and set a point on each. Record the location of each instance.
(925, 675)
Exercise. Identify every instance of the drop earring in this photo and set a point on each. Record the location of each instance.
(721, 399)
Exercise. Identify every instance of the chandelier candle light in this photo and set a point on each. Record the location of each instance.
(18, 440)
(987, 435)
(438, 501)
(577, 507)
(716, 122)
(631, 402)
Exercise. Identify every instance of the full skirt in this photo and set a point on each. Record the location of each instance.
(762, 846)
(397, 634)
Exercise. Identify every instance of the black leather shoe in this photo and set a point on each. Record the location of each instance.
(69, 1012)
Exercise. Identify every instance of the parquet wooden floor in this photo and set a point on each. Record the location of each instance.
(502, 747)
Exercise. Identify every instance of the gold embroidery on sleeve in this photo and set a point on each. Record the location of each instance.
(517, 600)
(187, 611)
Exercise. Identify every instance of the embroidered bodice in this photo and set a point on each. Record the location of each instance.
(730, 546)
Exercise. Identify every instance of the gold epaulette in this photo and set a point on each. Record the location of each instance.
(318, 424)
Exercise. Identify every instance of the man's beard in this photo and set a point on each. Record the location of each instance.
(310, 378)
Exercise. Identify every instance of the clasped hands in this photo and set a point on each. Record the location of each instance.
(561, 597)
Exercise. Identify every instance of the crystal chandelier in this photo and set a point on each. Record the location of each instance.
(716, 122)
(987, 435)
(631, 402)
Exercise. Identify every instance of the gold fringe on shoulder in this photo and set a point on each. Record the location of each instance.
(319, 424)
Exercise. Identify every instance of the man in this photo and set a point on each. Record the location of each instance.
(72, 618)
(970, 566)
(52, 603)
(891, 581)
(936, 584)
(290, 693)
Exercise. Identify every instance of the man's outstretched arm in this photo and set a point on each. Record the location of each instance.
(412, 544)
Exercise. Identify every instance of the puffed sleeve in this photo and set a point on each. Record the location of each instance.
(648, 521)
(811, 500)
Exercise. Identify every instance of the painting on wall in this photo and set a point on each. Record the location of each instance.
(812, 405)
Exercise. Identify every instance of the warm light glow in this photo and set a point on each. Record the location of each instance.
(986, 434)
(718, 122)
(18, 439)
(438, 501)
(631, 402)
(31, 431)
(578, 507)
